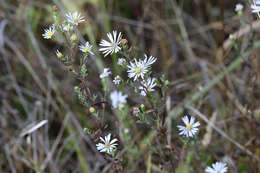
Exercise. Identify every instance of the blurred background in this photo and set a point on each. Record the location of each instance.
(215, 77)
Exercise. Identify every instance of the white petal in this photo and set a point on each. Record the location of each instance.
(185, 119)
(196, 124)
(113, 141)
(102, 139)
(192, 119)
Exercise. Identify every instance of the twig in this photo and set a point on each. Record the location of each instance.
(183, 30)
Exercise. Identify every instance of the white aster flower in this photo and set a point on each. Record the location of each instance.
(117, 80)
(67, 27)
(86, 48)
(190, 128)
(111, 46)
(106, 73)
(107, 145)
(121, 61)
(239, 7)
(147, 86)
(139, 68)
(118, 99)
(149, 61)
(48, 33)
(255, 8)
(218, 167)
(136, 69)
(74, 18)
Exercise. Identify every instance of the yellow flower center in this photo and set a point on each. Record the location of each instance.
(137, 70)
(50, 33)
(59, 54)
(91, 109)
(73, 37)
(75, 19)
(86, 48)
(122, 106)
(188, 127)
(68, 27)
(107, 145)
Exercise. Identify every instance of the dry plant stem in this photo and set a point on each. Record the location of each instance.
(9, 159)
(183, 30)
(73, 57)
(75, 141)
(238, 34)
(102, 116)
(207, 136)
(235, 64)
(31, 161)
(195, 97)
(72, 51)
(207, 80)
(39, 82)
(75, 122)
(222, 133)
(178, 110)
(127, 21)
(36, 46)
(55, 144)
(168, 123)
(86, 88)
(66, 39)
(31, 70)
(13, 79)
(41, 85)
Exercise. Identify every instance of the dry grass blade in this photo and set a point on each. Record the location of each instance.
(32, 127)
(207, 137)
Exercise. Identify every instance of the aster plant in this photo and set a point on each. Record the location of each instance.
(134, 95)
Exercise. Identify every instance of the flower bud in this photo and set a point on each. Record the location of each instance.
(73, 37)
(91, 109)
(142, 107)
(123, 42)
